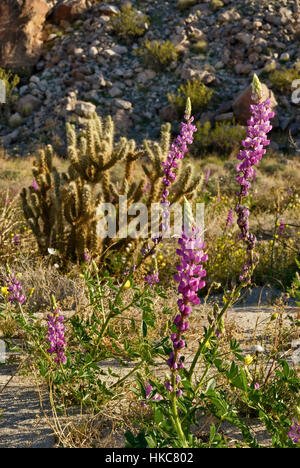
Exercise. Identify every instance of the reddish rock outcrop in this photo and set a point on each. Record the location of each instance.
(21, 24)
(68, 10)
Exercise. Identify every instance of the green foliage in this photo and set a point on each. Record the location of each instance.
(158, 54)
(185, 4)
(10, 80)
(216, 5)
(94, 340)
(282, 79)
(199, 94)
(295, 289)
(130, 23)
(199, 47)
(223, 138)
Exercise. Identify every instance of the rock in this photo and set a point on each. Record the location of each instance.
(78, 51)
(121, 120)
(27, 104)
(219, 65)
(227, 117)
(253, 58)
(11, 137)
(109, 10)
(115, 92)
(241, 104)
(110, 54)
(168, 113)
(273, 19)
(244, 38)
(286, 15)
(229, 16)
(15, 120)
(284, 57)
(257, 24)
(122, 104)
(85, 109)
(51, 37)
(93, 51)
(270, 66)
(21, 24)
(196, 34)
(243, 68)
(145, 76)
(121, 50)
(68, 10)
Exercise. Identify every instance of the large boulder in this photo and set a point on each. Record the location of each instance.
(21, 24)
(241, 105)
(68, 10)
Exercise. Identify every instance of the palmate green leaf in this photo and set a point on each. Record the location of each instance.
(149, 317)
(220, 404)
(224, 411)
(158, 416)
(211, 384)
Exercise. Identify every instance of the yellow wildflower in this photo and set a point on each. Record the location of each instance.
(4, 290)
(127, 285)
(248, 360)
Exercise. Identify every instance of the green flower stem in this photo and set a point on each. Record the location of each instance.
(175, 416)
(119, 382)
(175, 419)
(233, 297)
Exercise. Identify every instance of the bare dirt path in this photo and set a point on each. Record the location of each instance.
(22, 424)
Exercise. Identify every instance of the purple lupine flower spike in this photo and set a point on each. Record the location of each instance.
(177, 151)
(190, 274)
(229, 220)
(15, 288)
(56, 336)
(258, 127)
(294, 433)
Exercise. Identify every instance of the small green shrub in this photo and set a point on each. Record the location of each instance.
(223, 138)
(199, 47)
(282, 79)
(185, 4)
(199, 94)
(157, 54)
(130, 22)
(216, 4)
(10, 81)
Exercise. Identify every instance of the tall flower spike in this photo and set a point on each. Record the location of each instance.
(15, 288)
(56, 336)
(190, 274)
(256, 139)
(177, 151)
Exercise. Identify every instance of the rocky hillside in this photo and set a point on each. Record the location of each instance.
(73, 61)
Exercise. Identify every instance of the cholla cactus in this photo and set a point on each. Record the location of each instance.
(61, 209)
(41, 201)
